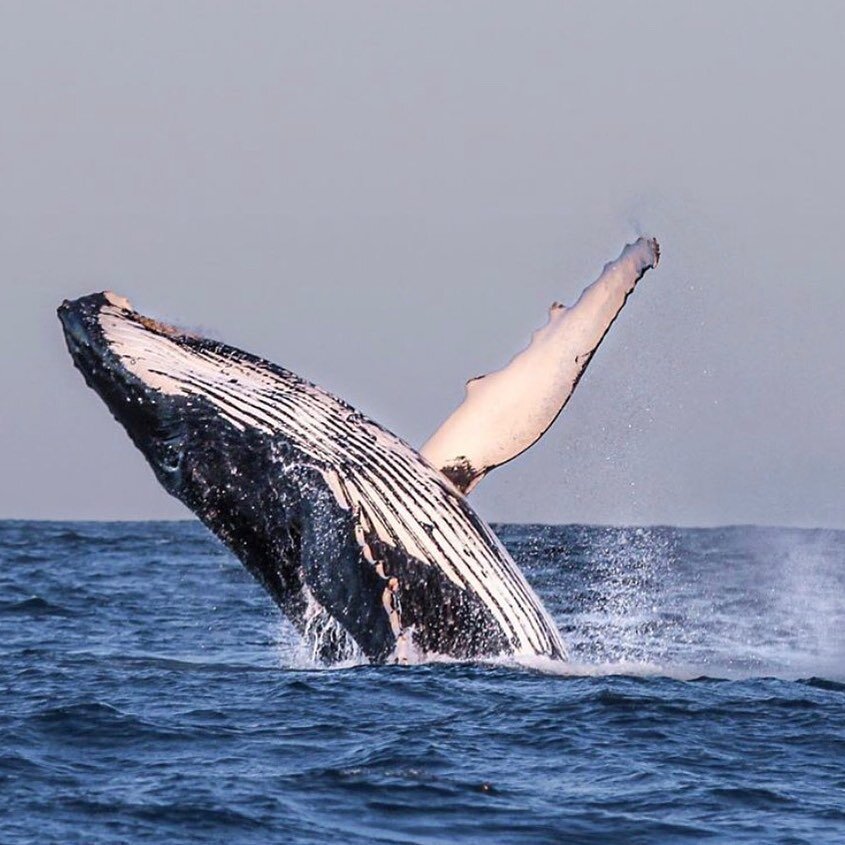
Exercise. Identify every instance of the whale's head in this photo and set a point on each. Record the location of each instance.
(192, 405)
(115, 348)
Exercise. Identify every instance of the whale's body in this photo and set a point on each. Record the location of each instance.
(363, 543)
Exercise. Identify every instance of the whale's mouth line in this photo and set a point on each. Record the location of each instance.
(82, 321)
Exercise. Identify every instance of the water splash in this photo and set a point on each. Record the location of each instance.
(725, 602)
(730, 602)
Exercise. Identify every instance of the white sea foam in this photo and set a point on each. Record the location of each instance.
(727, 603)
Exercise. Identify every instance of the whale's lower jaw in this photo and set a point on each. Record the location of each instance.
(357, 538)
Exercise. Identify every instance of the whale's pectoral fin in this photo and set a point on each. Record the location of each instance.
(507, 411)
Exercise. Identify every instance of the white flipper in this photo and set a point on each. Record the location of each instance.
(507, 411)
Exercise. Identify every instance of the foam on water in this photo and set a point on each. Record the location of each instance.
(735, 602)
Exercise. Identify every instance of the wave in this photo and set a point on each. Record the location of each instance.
(34, 606)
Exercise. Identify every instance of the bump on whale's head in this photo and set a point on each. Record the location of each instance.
(107, 338)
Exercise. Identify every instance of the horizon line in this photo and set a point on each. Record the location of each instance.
(492, 522)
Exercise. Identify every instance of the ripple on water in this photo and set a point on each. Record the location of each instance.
(150, 694)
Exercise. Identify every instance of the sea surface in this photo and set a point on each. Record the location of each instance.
(150, 692)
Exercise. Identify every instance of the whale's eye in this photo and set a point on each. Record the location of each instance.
(171, 459)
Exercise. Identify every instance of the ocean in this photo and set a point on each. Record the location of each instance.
(151, 692)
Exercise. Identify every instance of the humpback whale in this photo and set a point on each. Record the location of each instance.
(367, 545)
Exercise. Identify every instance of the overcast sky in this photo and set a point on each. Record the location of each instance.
(386, 197)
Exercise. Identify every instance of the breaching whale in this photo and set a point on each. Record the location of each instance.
(367, 545)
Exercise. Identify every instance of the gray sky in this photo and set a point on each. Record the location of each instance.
(386, 197)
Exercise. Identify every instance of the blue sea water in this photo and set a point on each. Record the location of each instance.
(151, 693)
